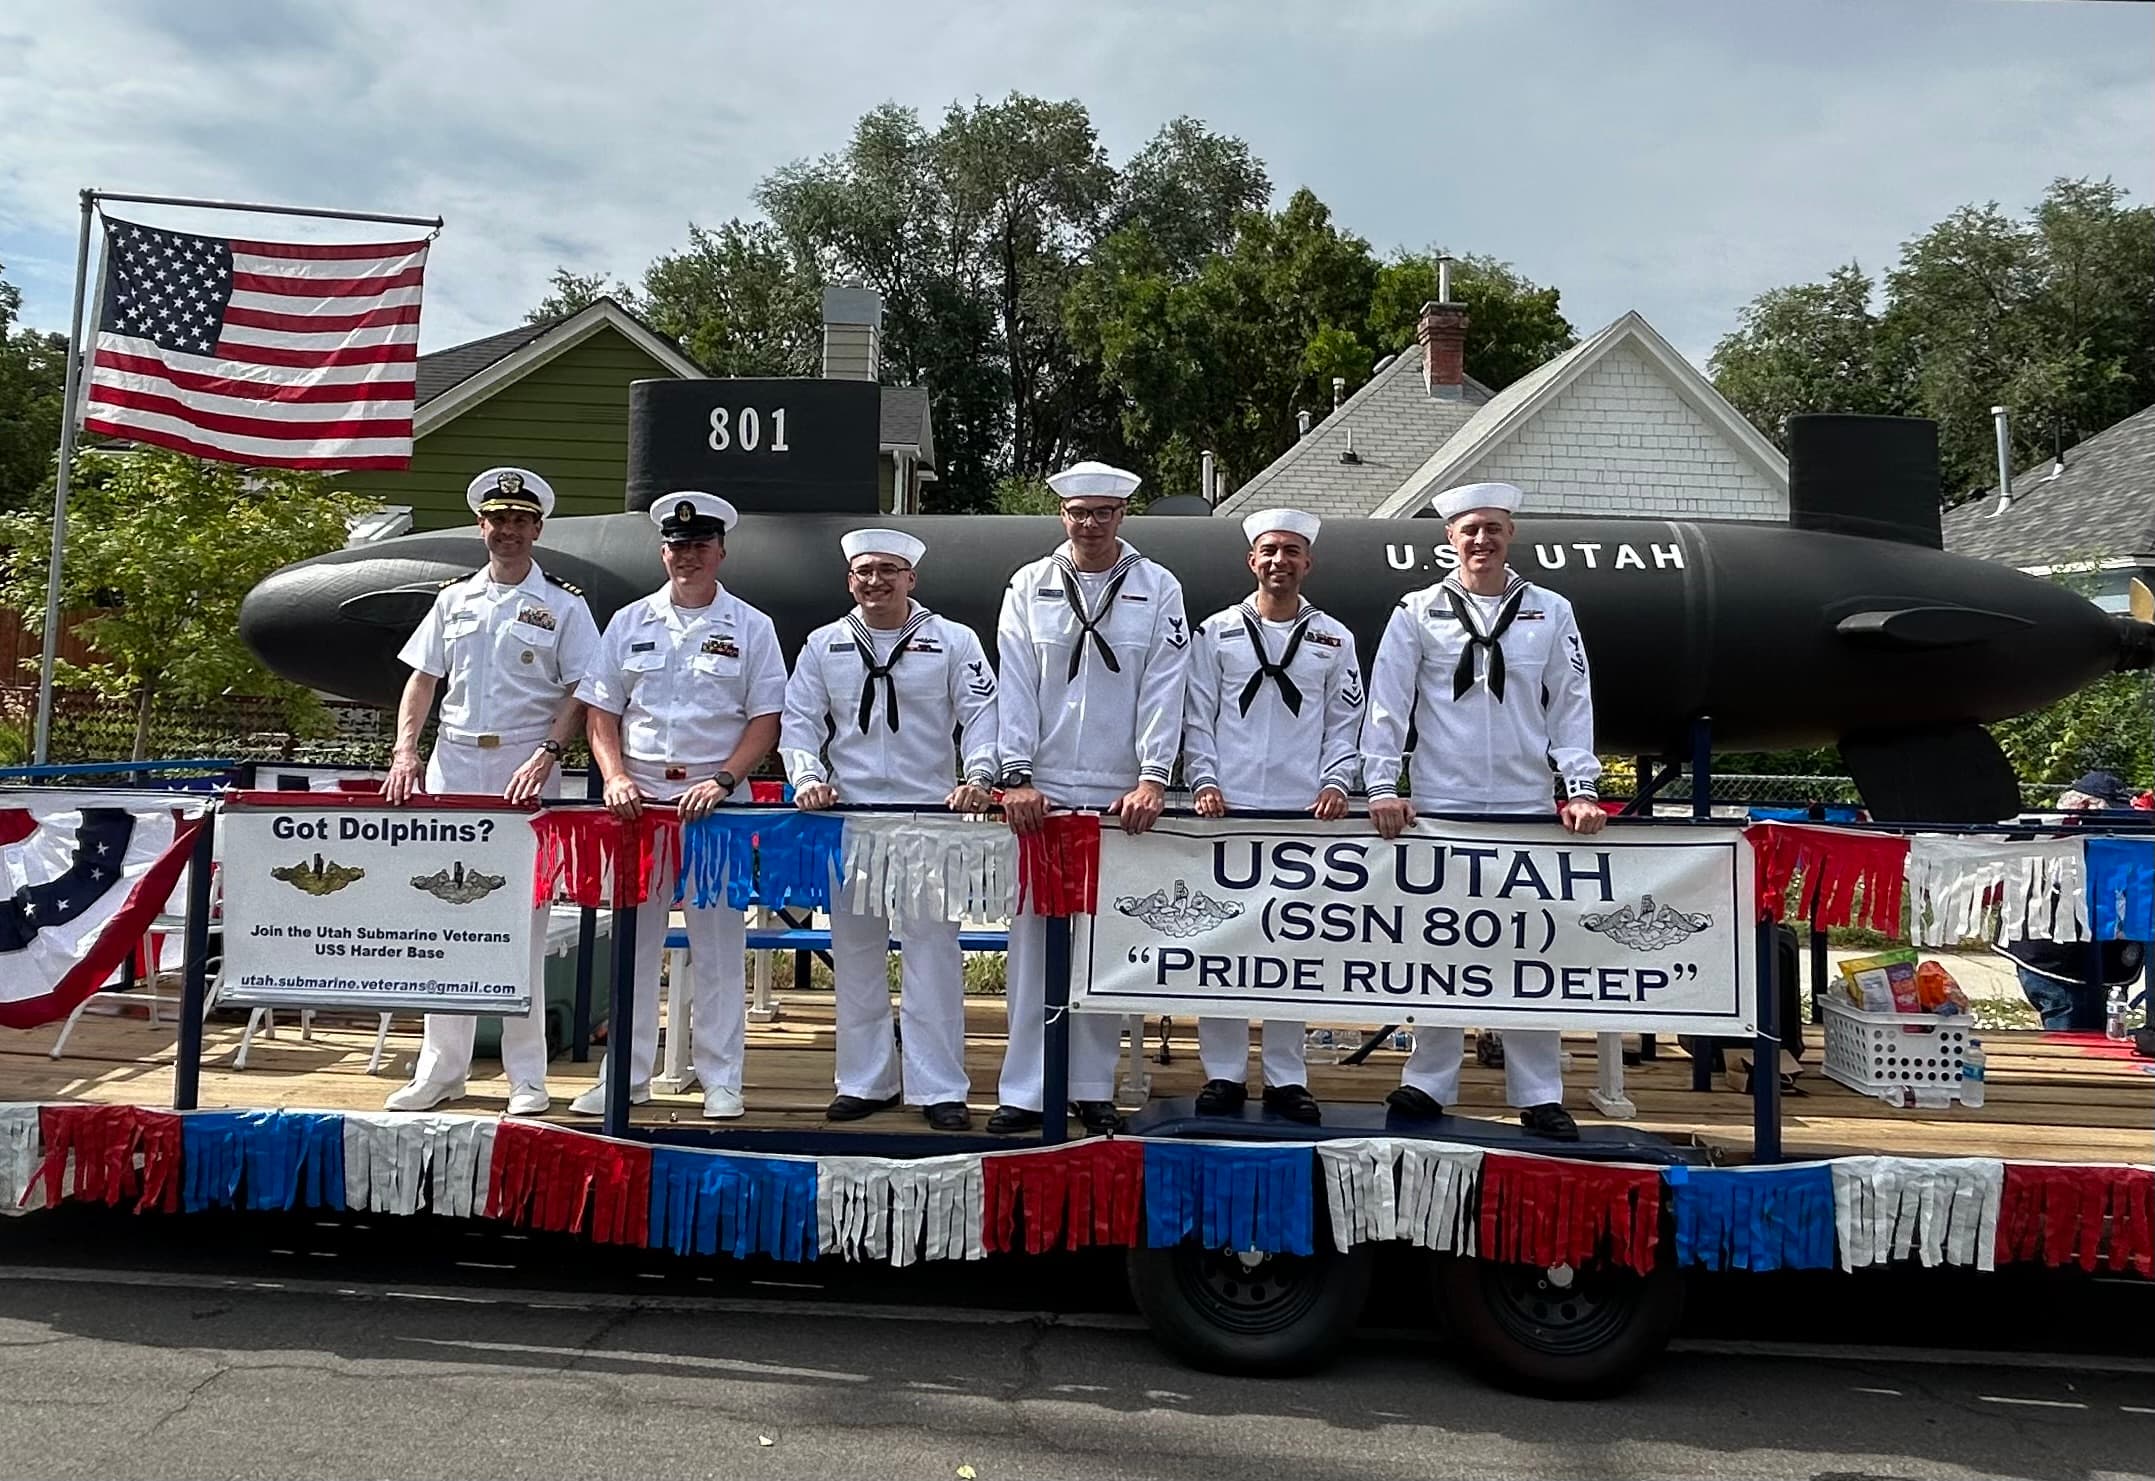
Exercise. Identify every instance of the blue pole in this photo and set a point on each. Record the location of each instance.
(587, 936)
(621, 1016)
(1055, 1048)
(1766, 1054)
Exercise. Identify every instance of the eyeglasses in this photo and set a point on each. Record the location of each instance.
(1100, 516)
(877, 573)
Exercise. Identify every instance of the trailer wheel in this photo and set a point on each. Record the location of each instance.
(1250, 1313)
(1559, 1333)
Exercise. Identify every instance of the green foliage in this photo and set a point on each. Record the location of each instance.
(33, 381)
(1513, 323)
(1025, 496)
(737, 301)
(2052, 315)
(571, 293)
(161, 548)
(2108, 726)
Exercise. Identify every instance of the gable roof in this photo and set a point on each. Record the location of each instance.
(452, 381)
(1392, 422)
(2101, 504)
(1516, 405)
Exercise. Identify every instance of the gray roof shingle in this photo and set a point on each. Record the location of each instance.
(905, 416)
(1395, 425)
(2101, 504)
(444, 370)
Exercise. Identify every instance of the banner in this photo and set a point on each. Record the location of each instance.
(1492, 925)
(344, 904)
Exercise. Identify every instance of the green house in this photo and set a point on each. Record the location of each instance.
(551, 396)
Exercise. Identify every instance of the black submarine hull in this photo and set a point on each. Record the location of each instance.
(1783, 636)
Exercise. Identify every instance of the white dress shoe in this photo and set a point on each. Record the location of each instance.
(721, 1104)
(529, 1100)
(422, 1096)
(593, 1101)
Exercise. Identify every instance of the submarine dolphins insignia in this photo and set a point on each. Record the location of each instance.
(1648, 927)
(318, 877)
(457, 887)
(1181, 916)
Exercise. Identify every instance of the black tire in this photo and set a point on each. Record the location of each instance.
(1581, 1334)
(1283, 1314)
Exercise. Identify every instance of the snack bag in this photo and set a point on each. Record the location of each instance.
(1885, 983)
(1937, 992)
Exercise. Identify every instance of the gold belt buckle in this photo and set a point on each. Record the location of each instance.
(676, 773)
(489, 742)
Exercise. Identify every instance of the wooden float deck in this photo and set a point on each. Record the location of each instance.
(2064, 1098)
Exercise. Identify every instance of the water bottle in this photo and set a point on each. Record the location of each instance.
(2119, 1010)
(1971, 1074)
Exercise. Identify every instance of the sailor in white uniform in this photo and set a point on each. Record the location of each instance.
(1491, 672)
(513, 642)
(1273, 723)
(871, 710)
(1093, 644)
(684, 702)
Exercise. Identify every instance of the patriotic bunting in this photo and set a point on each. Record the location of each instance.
(1830, 868)
(2037, 886)
(545, 1179)
(110, 1155)
(1538, 1211)
(582, 850)
(18, 1156)
(717, 1203)
(1769, 1218)
(1059, 866)
(924, 867)
(1228, 1197)
(2092, 1217)
(2121, 888)
(1941, 1211)
(1083, 1194)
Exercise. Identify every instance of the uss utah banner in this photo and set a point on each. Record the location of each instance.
(1498, 925)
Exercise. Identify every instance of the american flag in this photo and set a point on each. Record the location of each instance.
(272, 353)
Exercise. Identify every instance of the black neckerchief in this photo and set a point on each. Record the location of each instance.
(1089, 626)
(864, 635)
(1290, 694)
(1464, 610)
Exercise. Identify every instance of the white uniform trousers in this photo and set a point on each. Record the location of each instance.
(1223, 1048)
(445, 1045)
(1095, 1038)
(1533, 1065)
(931, 1007)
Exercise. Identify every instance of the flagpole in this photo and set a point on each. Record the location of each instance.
(197, 203)
(73, 386)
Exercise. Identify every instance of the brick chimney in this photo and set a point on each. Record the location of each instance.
(1442, 335)
(852, 330)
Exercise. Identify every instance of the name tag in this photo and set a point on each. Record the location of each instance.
(1232, 635)
(643, 647)
(846, 647)
(1130, 596)
(1045, 592)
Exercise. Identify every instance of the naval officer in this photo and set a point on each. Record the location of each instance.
(513, 642)
(1093, 642)
(1491, 672)
(1273, 723)
(871, 711)
(684, 701)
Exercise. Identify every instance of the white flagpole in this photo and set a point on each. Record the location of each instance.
(73, 387)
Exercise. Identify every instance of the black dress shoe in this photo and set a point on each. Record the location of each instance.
(1222, 1097)
(1551, 1121)
(1294, 1102)
(854, 1107)
(1420, 1104)
(1008, 1119)
(949, 1115)
(1098, 1116)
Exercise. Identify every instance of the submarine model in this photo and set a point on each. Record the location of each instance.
(1847, 625)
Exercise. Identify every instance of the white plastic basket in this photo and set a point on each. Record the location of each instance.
(1871, 1052)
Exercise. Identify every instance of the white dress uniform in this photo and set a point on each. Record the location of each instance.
(685, 683)
(1499, 695)
(510, 656)
(1274, 717)
(873, 712)
(1092, 690)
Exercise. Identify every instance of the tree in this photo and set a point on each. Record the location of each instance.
(1187, 188)
(572, 292)
(1813, 347)
(737, 301)
(1513, 323)
(33, 381)
(163, 547)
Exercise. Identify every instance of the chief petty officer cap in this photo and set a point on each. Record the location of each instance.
(1090, 480)
(857, 543)
(1469, 496)
(690, 515)
(501, 490)
(1289, 521)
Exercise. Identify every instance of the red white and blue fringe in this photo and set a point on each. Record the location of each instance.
(1853, 1212)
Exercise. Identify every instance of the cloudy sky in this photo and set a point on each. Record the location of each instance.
(1674, 156)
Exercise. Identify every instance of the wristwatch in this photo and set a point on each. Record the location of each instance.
(1017, 778)
(728, 781)
(553, 748)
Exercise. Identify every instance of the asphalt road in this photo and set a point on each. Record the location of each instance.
(257, 1346)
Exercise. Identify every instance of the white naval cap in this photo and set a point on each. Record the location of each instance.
(499, 490)
(1291, 521)
(1454, 502)
(689, 514)
(1090, 480)
(857, 543)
